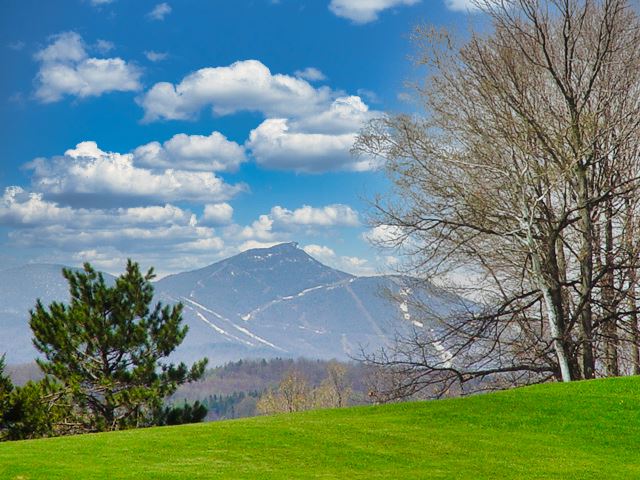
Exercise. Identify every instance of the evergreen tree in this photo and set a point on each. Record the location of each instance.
(29, 411)
(37, 409)
(178, 415)
(108, 348)
(6, 387)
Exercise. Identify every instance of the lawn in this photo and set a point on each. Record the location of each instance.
(584, 430)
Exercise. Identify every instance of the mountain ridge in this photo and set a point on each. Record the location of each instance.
(261, 303)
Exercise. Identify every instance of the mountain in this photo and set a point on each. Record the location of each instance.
(262, 303)
(279, 301)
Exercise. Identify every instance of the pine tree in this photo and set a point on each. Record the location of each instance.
(29, 411)
(108, 348)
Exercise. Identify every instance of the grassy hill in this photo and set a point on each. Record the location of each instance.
(585, 430)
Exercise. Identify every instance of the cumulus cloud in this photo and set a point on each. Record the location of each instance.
(343, 115)
(311, 73)
(192, 152)
(384, 235)
(160, 11)
(315, 143)
(326, 255)
(87, 172)
(306, 129)
(274, 146)
(364, 11)
(320, 252)
(281, 223)
(157, 233)
(243, 86)
(67, 69)
(328, 216)
(155, 56)
(19, 207)
(151, 230)
(260, 229)
(167, 236)
(217, 214)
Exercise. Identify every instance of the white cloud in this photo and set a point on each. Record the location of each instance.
(104, 46)
(155, 56)
(18, 207)
(384, 235)
(260, 229)
(326, 255)
(192, 152)
(217, 214)
(343, 115)
(462, 5)
(66, 69)
(314, 143)
(208, 244)
(243, 86)
(160, 11)
(97, 3)
(307, 129)
(364, 11)
(311, 73)
(21, 208)
(328, 216)
(280, 223)
(166, 260)
(164, 235)
(274, 146)
(119, 228)
(88, 172)
(319, 251)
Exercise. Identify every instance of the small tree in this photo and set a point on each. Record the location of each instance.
(106, 348)
(334, 391)
(293, 395)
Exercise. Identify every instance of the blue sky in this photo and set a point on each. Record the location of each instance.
(178, 133)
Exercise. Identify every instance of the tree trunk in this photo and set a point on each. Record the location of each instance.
(586, 274)
(609, 309)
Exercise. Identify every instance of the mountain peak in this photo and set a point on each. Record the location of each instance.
(289, 249)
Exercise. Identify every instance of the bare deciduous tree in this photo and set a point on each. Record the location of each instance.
(521, 176)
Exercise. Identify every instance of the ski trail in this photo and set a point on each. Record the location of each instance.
(217, 328)
(445, 355)
(237, 327)
(366, 313)
(302, 293)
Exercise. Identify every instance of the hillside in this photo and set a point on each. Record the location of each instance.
(586, 430)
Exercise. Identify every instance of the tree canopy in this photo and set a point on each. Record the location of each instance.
(108, 348)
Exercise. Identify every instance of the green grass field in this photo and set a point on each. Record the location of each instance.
(585, 430)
